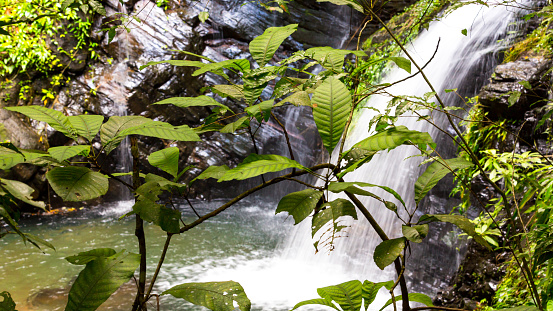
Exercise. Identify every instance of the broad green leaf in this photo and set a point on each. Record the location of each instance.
(86, 125)
(252, 94)
(10, 158)
(242, 65)
(236, 125)
(331, 211)
(213, 172)
(347, 295)
(217, 296)
(161, 130)
(337, 187)
(394, 137)
(149, 210)
(460, 221)
(264, 46)
(176, 62)
(167, 160)
(370, 290)
(109, 133)
(76, 183)
(166, 218)
(300, 98)
(7, 303)
(54, 118)
(261, 111)
(525, 84)
(402, 63)
(225, 90)
(63, 153)
(330, 58)
(513, 97)
(185, 102)
(331, 107)
(416, 297)
(85, 257)
(415, 233)
(99, 279)
(435, 172)
(21, 191)
(299, 204)
(256, 164)
(387, 251)
(316, 301)
(355, 158)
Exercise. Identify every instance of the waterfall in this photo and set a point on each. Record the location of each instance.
(462, 61)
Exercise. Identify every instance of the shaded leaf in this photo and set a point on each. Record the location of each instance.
(330, 212)
(299, 204)
(387, 251)
(256, 164)
(316, 301)
(86, 125)
(337, 187)
(236, 125)
(85, 257)
(185, 102)
(213, 172)
(347, 295)
(166, 218)
(21, 191)
(217, 296)
(110, 131)
(10, 158)
(435, 172)
(6, 303)
(369, 291)
(76, 184)
(415, 233)
(63, 153)
(300, 98)
(54, 118)
(99, 279)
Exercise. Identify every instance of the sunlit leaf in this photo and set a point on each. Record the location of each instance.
(216, 296)
(264, 46)
(299, 204)
(331, 107)
(166, 159)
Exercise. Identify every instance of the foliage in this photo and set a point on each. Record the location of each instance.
(335, 96)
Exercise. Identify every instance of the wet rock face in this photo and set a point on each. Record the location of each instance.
(478, 276)
(507, 80)
(113, 82)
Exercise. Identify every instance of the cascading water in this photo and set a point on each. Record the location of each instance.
(463, 62)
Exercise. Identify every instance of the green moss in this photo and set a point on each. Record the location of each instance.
(26, 48)
(538, 43)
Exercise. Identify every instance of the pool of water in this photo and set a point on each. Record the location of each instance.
(235, 245)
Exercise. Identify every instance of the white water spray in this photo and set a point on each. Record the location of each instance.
(295, 273)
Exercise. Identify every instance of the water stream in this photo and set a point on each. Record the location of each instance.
(274, 261)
